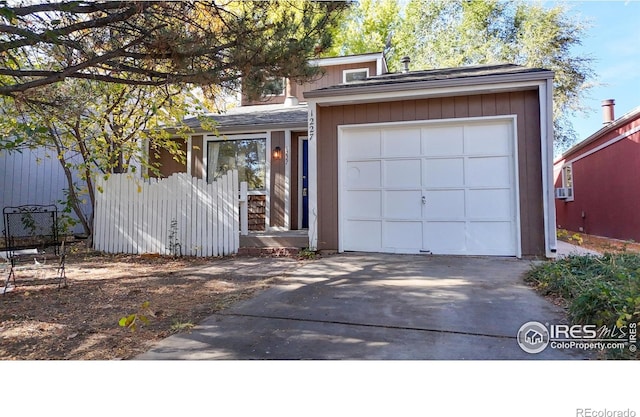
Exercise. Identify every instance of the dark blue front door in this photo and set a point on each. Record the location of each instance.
(305, 184)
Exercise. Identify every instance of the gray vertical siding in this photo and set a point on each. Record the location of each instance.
(33, 177)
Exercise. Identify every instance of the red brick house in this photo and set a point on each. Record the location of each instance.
(597, 182)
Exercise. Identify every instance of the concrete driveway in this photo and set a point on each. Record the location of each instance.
(378, 306)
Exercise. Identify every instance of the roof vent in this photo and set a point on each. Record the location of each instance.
(405, 64)
(608, 115)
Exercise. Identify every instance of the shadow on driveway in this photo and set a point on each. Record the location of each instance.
(378, 306)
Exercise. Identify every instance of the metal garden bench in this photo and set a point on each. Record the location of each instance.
(32, 243)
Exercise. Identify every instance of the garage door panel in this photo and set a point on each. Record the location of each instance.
(404, 173)
(444, 204)
(488, 172)
(363, 235)
(443, 141)
(364, 144)
(364, 174)
(445, 237)
(403, 204)
(443, 172)
(363, 204)
(402, 236)
(487, 204)
(490, 238)
(401, 142)
(465, 173)
(487, 139)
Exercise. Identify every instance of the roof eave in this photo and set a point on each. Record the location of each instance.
(262, 127)
(635, 113)
(430, 84)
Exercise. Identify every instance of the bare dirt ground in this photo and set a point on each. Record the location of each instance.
(82, 320)
(598, 243)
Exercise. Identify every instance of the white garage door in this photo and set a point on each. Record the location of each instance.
(438, 188)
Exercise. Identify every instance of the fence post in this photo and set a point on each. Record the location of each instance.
(244, 208)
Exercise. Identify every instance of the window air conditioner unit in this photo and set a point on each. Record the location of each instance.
(563, 193)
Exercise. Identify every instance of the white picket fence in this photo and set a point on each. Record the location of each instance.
(179, 215)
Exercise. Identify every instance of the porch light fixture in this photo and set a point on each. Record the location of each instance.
(277, 153)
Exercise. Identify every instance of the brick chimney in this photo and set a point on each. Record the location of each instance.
(607, 111)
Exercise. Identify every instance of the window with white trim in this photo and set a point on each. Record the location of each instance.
(248, 156)
(567, 181)
(351, 75)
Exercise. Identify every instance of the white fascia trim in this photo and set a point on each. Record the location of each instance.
(380, 67)
(313, 176)
(267, 209)
(412, 94)
(343, 60)
(287, 179)
(600, 147)
(546, 151)
(189, 154)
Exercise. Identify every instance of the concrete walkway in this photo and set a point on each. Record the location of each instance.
(565, 249)
(375, 306)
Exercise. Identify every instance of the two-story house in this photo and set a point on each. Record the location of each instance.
(443, 161)
(266, 141)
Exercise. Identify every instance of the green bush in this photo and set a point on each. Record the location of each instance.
(601, 290)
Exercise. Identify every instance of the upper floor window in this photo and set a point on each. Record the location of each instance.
(274, 87)
(351, 75)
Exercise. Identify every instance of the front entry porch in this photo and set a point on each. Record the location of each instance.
(272, 242)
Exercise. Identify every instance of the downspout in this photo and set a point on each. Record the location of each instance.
(551, 244)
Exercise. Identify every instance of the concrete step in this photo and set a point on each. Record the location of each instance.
(289, 239)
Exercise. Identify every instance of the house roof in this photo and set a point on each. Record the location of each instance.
(616, 124)
(254, 118)
(434, 78)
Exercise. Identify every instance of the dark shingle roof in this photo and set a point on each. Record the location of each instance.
(435, 76)
(255, 118)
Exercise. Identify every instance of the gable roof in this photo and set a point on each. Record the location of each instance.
(616, 124)
(480, 74)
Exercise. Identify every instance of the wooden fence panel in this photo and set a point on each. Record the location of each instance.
(179, 215)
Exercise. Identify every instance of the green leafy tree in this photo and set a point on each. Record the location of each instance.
(456, 33)
(160, 42)
(367, 27)
(96, 129)
(96, 83)
(453, 33)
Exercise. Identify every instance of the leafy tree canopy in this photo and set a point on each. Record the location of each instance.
(160, 42)
(452, 33)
